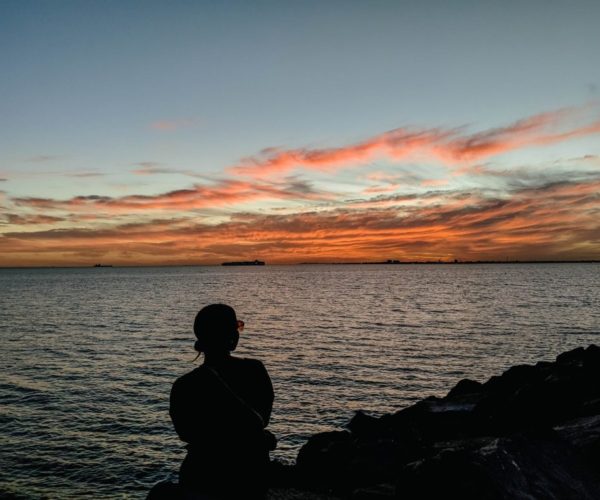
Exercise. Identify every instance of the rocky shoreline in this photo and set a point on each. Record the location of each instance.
(532, 432)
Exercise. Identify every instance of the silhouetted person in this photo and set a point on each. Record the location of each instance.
(220, 410)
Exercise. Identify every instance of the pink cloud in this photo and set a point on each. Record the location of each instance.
(382, 189)
(171, 125)
(434, 182)
(450, 147)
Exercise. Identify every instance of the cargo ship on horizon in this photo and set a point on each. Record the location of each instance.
(244, 263)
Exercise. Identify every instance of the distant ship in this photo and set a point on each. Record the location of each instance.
(102, 265)
(245, 263)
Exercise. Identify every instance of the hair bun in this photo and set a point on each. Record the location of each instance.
(216, 328)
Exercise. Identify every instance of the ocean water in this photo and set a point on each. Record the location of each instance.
(89, 355)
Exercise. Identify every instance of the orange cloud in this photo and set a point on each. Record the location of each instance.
(521, 214)
(33, 219)
(395, 144)
(226, 192)
(434, 182)
(553, 221)
(171, 125)
(150, 168)
(381, 189)
(448, 146)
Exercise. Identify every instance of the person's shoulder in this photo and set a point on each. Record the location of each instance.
(189, 378)
(254, 368)
(249, 363)
(250, 366)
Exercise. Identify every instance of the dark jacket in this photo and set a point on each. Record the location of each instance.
(222, 417)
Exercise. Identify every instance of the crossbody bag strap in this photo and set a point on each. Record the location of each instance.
(234, 394)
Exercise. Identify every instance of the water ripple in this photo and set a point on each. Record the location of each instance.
(89, 355)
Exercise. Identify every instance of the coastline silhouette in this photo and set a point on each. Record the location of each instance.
(220, 410)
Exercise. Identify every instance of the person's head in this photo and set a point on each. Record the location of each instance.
(216, 328)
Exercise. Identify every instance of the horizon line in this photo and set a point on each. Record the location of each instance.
(339, 263)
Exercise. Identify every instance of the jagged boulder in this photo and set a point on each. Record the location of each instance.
(584, 435)
(487, 440)
(517, 467)
(341, 462)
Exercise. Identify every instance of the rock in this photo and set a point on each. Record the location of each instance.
(324, 461)
(571, 356)
(513, 379)
(434, 419)
(532, 432)
(447, 475)
(340, 462)
(282, 475)
(592, 355)
(166, 490)
(465, 386)
(588, 359)
(591, 407)
(518, 467)
(385, 491)
(542, 395)
(488, 441)
(584, 435)
(362, 424)
(295, 494)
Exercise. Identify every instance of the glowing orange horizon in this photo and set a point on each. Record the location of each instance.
(557, 222)
(514, 214)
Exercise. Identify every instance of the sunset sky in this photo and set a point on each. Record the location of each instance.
(180, 132)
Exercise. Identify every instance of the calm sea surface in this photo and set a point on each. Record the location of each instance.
(89, 355)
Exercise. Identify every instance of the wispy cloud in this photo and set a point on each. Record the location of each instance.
(170, 125)
(44, 158)
(387, 182)
(225, 192)
(24, 174)
(27, 220)
(434, 182)
(85, 174)
(157, 168)
(382, 189)
(448, 146)
(152, 168)
(149, 168)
